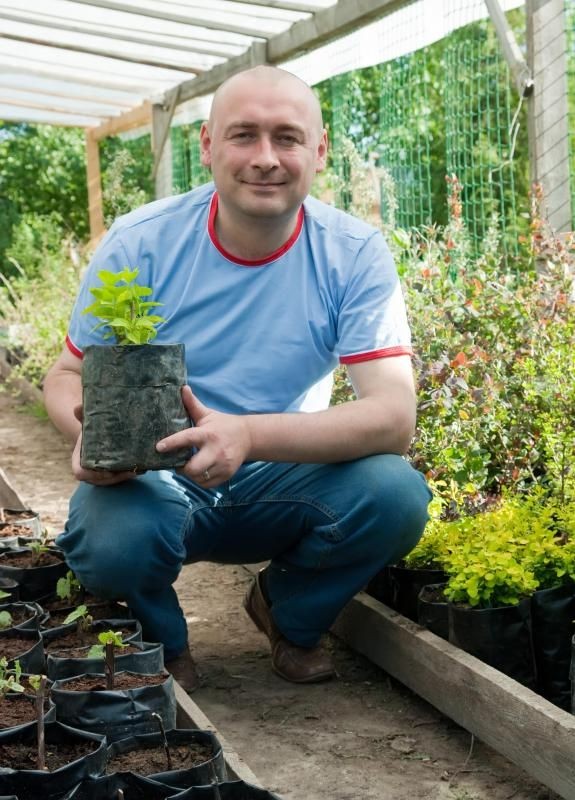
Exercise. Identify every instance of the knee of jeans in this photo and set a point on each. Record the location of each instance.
(397, 497)
(118, 565)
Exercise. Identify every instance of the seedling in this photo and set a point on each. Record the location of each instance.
(164, 739)
(38, 549)
(10, 677)
(69, 587)
(5, 620)
(3, 594)
(120, 308)
(82, 619)
(108, 640)
(40, 696)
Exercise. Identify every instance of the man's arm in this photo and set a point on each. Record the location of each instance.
(381, 420)
(63, 393)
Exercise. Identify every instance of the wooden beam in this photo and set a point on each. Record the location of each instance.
(548, 111)
(511, 50)
(135, 118)
(184, 19)
(64, 105)
(324, 26)
(161, 119)
(179, 42)
(303, 8)
(536, 735)
(38, 116)
(94, 179)
(100, 51)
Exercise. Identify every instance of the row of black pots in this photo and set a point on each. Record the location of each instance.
(85, 778)
(530, 642)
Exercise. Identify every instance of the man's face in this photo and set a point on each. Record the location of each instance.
(264, 144)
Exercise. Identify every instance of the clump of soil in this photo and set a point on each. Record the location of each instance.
(16, 709)
(122, 681)
(151, 759)
(8, 531)
(24, 756)
(28, 560)
(12, 647)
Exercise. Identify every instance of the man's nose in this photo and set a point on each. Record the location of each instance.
(264, 154)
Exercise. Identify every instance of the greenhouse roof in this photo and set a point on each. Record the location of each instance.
(87, 62)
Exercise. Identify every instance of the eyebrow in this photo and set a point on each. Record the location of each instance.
(253, 126)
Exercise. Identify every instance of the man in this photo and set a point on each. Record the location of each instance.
(269, 289)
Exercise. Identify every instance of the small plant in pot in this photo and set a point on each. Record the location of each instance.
(131, 389)
(22, 697)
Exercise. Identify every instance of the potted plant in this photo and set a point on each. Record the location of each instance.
(131, 389)
(20, 700)
(116, 704)
(36, 568)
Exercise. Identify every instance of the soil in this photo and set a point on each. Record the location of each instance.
(123, 681)
(19, 612)
(24, 756)
(28, 560)
(16, 709)
(363, 736)
(151, 759)
(110, 611)
(71, 644)
(12, 647)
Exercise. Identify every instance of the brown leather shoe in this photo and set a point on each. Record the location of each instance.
(290, 661)
(184, 671)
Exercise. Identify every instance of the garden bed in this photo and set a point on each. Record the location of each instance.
(519, 724)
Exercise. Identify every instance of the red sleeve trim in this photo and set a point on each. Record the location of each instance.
(73, 349)
(244, 262)
(385, 352)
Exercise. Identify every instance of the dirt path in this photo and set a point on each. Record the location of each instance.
(362, 737)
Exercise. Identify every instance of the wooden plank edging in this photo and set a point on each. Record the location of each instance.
(191, 715)
(536, 735)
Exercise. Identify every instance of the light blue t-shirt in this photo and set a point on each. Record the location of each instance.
(260, 336)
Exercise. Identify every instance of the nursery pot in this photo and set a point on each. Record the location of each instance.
(501, 637)
(34, 581)
(379, 587)
(230, 790)
(83, 754)
(18, 710)
(205, 771)
(25, 646)
(25, 521)
(25, 616)
(553, 616)
(12, 589)
(119, 712)
(148, 659)
(432, 610)
(132, 399)
(106, 788)
(405, 584)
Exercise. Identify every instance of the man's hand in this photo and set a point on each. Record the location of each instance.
(98, 477)
(222, 442)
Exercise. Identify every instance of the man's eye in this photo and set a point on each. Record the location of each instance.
(287, 139)
(242, 135)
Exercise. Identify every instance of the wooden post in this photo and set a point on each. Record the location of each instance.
(548, 109)
(95, 209)
(162, 114)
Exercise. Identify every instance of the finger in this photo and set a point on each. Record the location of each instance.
(188, 438)
(195, 408)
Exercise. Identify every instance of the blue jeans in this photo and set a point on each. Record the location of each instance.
(326, 528)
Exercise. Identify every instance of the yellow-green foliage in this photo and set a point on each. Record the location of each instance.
(508, 553)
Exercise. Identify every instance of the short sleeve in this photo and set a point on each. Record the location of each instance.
(372, 320)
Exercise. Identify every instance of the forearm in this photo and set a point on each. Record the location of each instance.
(62, 393)
(341, 433)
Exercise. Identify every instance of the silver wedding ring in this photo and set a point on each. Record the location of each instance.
(206, 474)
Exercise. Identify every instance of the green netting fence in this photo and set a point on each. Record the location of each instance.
(445, 109)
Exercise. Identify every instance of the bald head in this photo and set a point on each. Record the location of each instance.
(267, 77)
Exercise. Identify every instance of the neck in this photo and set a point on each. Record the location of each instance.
(253, 238)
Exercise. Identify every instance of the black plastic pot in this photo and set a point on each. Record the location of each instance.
(132, 399)
(232, 790)
(49, 713)
(206, 772)
(34, 783)
(32, 613)
(553, 618)
(501, 637)
(134, 626)
(12, 588)
(106, 788)
(31, 657)
(379, 587)
(149, 660)
(34, 581)
(432, 610)
(405, 584)
(116, 713)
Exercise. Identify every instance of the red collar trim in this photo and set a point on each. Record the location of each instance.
(242, 261)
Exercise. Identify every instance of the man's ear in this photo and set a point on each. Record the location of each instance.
(205, 145)
(322, 147)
